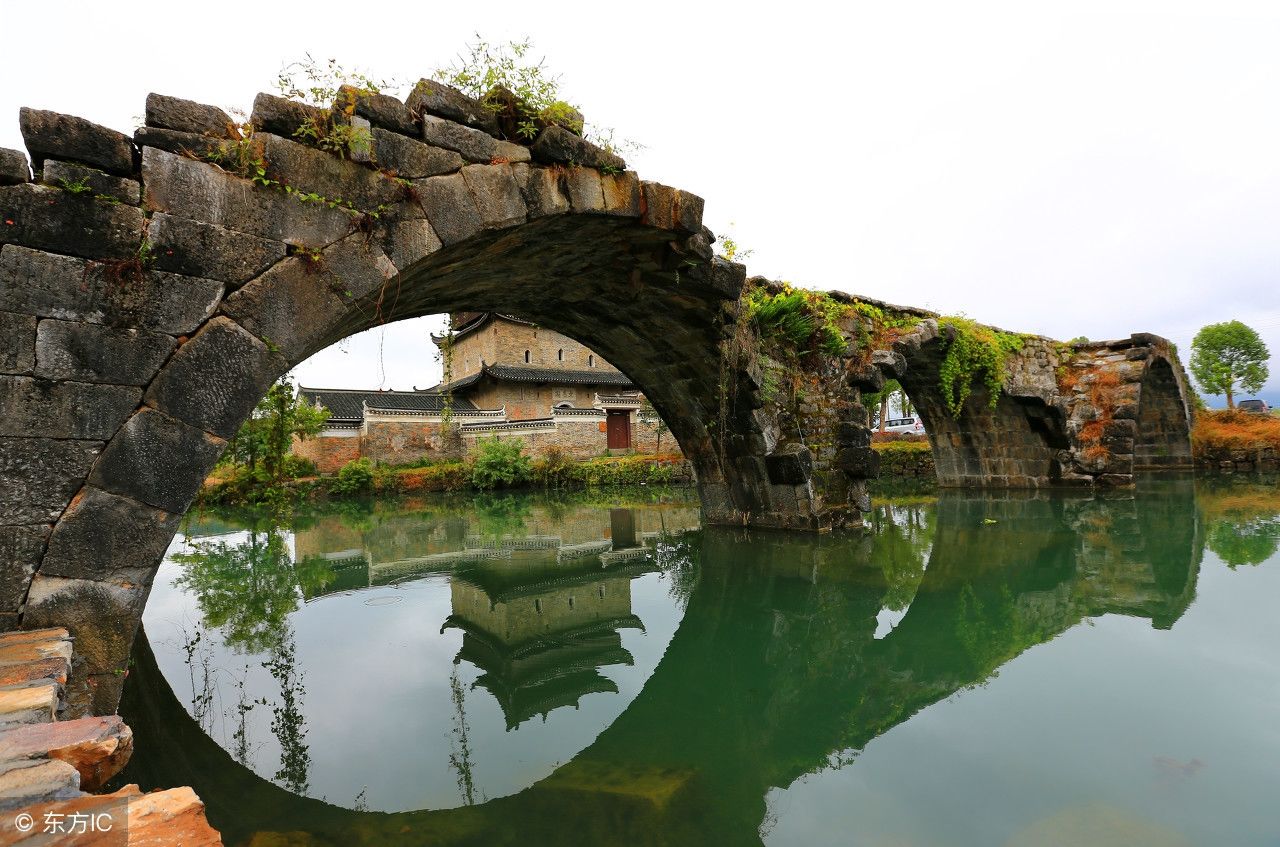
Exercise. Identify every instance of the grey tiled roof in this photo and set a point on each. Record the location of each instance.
(587, 377)
(515, 373)
(348, 405)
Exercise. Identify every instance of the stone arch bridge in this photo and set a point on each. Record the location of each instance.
(152, 288)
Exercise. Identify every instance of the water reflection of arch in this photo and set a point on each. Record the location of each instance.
(774, 669)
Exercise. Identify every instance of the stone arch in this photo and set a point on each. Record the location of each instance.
(146, 333)
(1086, 414)
(144, 313)
(1013, 443)
(1164, 417)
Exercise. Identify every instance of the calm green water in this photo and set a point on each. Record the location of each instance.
(980, 670)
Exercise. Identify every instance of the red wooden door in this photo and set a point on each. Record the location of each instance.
(619, 430)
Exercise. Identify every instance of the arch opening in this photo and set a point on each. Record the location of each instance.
(1163, 438)
(1017, 442)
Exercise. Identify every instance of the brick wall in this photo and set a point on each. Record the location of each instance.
(328, 452)
(502, 342)
(397, 442)
(527, 402)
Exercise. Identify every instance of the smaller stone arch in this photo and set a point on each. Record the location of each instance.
(1164, 417)
(1086, 414)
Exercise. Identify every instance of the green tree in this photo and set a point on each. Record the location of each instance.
(1226, 355)
(649, 417)
(1244, 540)
(247, 590)
(892, 392)
(496, 463)
(264, 441)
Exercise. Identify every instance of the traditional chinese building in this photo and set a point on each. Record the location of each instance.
(504, 376)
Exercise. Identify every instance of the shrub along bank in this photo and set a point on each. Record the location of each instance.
(1236, 441)
(904, 457)
(493, 464)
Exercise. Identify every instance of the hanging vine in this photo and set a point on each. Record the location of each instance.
(973, 351)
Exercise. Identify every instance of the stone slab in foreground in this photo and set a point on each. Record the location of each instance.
(47, 765)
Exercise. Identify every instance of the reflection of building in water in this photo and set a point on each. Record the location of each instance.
(400, 547)
(541, 646)
(541, 593)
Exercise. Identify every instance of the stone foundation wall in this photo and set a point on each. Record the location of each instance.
(1238, 460)
(905, 463)
(328, 453)
(402, 442)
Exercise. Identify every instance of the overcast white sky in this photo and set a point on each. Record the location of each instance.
(1069, 169)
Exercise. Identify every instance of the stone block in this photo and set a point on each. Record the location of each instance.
(49, 218)
(104, 536)
(412, 159)
(18, 674)
(584, 189)
(17, 343)
(186, 116)
(13, 167)
(175, 816)
(861, 462)
(97, 747)
(283, 117)
(430, 97)
(101, 186)
(49, 135)
(869, 379)
(76, 410)
(891, 362)
(20, 550)
(557, 144)
(310, 170)
(199, 191)
(671, 208)
(497, 198)
(380, 110)
(215, 379)
(408, 242)
(296, 306)
(157, 460)
(850, 434)
(42, 644)
(206, 250)
(473, 144)
(1115, 480)
(507, 153)
(180, 143)
(37, 781)
(41, 475)
(621, 194)
(540, 188)
(30, 704)
(727, 278)
(791, 464)
(53, 286)
(450, 207)
(86, 352)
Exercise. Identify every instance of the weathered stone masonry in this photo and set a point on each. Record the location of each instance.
(149, 296)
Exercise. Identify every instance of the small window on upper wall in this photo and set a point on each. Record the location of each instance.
(526, 357)
(591, 361)
(560, 355)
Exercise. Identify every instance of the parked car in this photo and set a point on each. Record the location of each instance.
(1258, 407)
(910, 425)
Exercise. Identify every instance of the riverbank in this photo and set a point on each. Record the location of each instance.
(362, 478)
(1231, 441)
(1221, 442)
(907, 458)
